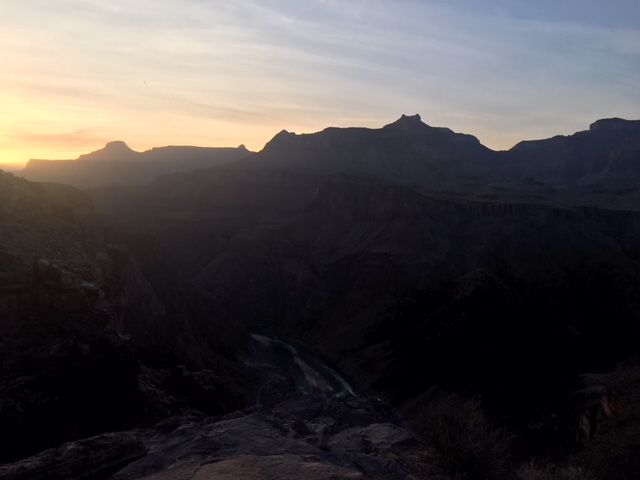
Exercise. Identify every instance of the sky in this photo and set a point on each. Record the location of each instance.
(76, 74)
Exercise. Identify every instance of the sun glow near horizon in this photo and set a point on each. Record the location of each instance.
(78, 74)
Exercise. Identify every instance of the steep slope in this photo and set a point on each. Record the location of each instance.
(77, 316)
(61, 302)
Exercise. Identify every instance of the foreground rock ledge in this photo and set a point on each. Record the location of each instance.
(92, 458)
(310, 437)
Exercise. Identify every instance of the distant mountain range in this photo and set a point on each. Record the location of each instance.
(117, 164)
(409, 151)
(600, 165)
(406, 150)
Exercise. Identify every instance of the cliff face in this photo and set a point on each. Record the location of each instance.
(66, 369)
(76, 317)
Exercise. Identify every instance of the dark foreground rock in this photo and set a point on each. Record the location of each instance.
(311, 437)
(88, 459)
(308, 437)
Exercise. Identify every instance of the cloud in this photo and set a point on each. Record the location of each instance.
(158, 68)
(71, 140)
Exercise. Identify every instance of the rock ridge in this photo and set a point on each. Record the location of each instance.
(312, 436)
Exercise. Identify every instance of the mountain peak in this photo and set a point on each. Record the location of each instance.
(116, 150)
(411, 118)
(406, 122)
(117, 145)
(282, 139)
(614, 124)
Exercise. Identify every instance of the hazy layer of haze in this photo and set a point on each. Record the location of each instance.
(78, 73)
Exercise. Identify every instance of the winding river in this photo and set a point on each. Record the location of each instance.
(306, 367)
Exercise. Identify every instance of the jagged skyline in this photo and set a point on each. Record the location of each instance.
(80, 73)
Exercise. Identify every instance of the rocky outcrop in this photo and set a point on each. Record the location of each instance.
(87, 459)
(310, 436)
(356, 438)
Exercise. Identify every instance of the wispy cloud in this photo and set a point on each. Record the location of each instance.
(218, 71)
(81, 138)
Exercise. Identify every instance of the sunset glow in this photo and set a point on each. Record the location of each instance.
(79, 73)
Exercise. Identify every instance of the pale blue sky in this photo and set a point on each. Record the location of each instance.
(78, 73)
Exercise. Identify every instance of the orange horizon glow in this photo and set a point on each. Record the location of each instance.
(219, 74)
(16, 154)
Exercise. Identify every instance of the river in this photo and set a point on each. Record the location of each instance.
(308, 370)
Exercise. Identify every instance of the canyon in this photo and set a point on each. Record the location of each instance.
(412, 260)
